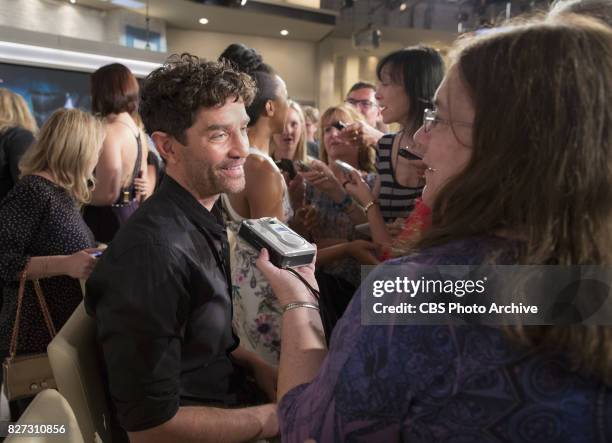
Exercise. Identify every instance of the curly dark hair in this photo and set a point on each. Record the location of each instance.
(249, 61)
(172, 94)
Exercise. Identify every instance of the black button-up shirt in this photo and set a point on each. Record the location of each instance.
(162, 303)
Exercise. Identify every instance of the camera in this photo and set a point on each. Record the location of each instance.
(287, 248)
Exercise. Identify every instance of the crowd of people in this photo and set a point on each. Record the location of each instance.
(501, 155)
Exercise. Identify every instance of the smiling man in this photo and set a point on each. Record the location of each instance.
(161, 294)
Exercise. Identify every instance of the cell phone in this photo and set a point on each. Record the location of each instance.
(346, 168)
(302, 166)
(339, 125)
(286, 165)
(404, 152)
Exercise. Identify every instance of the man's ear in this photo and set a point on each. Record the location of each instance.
(270, 108)
(166, 146)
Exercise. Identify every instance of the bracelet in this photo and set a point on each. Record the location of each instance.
(369, 205)
(299, 304)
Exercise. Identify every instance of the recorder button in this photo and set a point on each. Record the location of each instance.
(291, 239)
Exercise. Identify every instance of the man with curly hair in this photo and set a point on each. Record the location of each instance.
(161, 292)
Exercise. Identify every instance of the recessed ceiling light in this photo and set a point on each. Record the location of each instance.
(284, 32)
(73, 1)
(203, 21)
(133, 4)
(243, 2)
(403, 7)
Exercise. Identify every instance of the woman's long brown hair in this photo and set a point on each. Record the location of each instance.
(541, 160)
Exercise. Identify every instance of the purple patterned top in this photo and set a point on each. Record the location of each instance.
(441, 383)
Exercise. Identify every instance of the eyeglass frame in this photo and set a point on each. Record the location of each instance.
(430, 119)
(365, 103)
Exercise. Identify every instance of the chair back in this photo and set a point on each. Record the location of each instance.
(76, 368)
(51, 410)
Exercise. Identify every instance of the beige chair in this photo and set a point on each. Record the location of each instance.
(75, 365)
(48, 408)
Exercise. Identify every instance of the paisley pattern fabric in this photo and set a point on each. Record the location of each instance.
(398, 383)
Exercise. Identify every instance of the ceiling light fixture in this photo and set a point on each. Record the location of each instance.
(132, 4)
(403, 7)
(243, 2)
(19, 53)
(73, 1)
(203, 21)
(284, 32)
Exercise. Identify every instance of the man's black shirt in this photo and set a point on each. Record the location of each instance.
(161, 298)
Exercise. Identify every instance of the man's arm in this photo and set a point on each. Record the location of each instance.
(204, 424)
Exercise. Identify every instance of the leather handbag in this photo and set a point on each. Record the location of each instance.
(27, 375)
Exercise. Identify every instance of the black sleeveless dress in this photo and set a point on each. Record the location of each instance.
(105, 221)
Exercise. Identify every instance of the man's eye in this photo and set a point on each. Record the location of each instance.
(218, 136)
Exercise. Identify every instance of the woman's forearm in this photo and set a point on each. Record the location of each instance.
(303, 348)
(379, 231)
(330, 254)
(48, 266)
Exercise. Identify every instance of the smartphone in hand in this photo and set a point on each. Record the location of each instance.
(404, 152)
(286, 165)
(346, 168)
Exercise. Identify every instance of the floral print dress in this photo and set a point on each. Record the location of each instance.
(257, 313)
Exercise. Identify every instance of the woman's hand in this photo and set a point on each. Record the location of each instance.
(308, 216)
(360, 133)
(363, 251)
(321, 177)
(286, 286)
(395, 227)
(357, 188)
(141, 185)
(80, 264)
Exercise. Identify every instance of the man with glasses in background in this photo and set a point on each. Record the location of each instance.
(362, 96)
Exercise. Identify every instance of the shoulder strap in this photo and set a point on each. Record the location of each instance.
(138, 159)
(43, 307)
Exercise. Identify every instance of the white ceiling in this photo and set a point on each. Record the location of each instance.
(184, 14)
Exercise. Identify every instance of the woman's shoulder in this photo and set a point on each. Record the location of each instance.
(260, 165)
(30, 190)
(387, 139)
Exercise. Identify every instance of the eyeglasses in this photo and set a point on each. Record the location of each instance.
(431, 119)
(362, 103)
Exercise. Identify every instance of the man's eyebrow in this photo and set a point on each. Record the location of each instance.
(217, 127)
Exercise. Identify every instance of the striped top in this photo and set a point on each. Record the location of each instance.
(395, 200)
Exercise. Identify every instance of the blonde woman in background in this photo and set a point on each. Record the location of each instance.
(291, 143)
(42, 233)
(17, 130)
(311, 117)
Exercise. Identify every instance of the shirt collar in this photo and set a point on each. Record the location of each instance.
(210, 220)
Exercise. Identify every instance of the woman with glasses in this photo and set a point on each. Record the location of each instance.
(518, 151)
